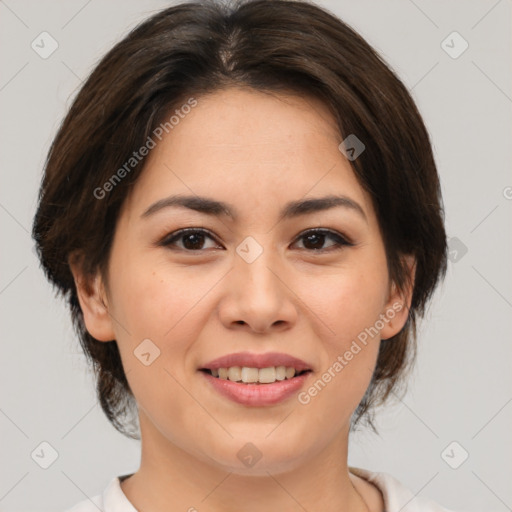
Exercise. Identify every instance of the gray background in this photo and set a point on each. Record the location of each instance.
(461, 388)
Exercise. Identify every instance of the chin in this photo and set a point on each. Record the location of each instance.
(257, 456)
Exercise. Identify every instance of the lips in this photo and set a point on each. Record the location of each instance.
(257, 372)
(250, 360)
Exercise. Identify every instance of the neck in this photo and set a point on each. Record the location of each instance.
(172, 477)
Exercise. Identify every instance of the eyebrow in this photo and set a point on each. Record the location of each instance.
(291, 210)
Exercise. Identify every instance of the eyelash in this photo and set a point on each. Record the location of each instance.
(341, 241)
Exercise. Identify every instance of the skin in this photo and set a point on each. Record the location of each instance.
(256, 152)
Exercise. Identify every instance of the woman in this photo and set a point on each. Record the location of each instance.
(181, 212)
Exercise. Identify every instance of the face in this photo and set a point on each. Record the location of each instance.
(312, 284)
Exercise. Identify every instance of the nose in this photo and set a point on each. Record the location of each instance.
(258, 297)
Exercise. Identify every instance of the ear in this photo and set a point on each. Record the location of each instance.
(93, 300)
(397, 307)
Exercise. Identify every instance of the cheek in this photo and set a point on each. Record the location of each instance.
(167, 307)
(345, 303)
(355, 306)
(347, 306)
(154, 305)
(150, 299)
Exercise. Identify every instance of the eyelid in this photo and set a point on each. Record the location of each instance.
(174, 235)
(344, 239)
(341, 239)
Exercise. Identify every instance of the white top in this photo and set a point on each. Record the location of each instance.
(397, 498)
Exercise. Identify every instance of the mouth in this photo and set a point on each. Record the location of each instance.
(256, 387)
(251, 375)
(257, 380)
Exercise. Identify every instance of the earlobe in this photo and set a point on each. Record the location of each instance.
(93, 302)
(396, 310)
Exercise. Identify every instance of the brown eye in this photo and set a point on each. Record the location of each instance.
(188, 239)
(314, 240)
(193, 239)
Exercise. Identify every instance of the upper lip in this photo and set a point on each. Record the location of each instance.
(251, 360)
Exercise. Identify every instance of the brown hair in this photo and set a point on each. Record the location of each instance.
(193, 49)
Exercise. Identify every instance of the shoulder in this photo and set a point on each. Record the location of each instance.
(112, 499)
(90, 505)
(395, 495)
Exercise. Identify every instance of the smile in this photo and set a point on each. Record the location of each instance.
(257, 394)
(249, 375)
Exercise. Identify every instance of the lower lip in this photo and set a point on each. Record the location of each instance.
(257, 395)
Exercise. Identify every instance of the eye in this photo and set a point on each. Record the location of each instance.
(192, 239)
(314, 239)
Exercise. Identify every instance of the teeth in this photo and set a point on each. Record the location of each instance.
(235, 373)
(255, 375)
(249, 374)
(267, 375)
(280, 372)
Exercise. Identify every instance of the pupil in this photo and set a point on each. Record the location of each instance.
(315, 237)
(195, 238)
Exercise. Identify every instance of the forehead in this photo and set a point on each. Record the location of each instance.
(252, 149)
